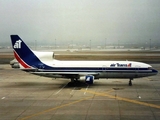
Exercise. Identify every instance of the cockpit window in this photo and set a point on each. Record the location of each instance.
(149, 68)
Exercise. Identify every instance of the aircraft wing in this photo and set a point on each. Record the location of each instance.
(67, 73)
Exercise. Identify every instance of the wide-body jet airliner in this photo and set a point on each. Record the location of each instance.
(88, 71)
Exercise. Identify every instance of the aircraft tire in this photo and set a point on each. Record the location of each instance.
(130, 83)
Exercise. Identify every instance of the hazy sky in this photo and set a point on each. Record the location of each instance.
(127, 21)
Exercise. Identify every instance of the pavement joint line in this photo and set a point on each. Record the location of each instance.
(72, 91)
(86, 89)
(58, 107)
(60, 89)
(123, 99)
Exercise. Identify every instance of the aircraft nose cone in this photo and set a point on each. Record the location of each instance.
(154, 71)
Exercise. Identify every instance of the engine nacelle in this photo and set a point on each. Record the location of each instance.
(89, 79)
(44, 55)
(14, 63)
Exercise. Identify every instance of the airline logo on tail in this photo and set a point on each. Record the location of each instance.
(17, 44)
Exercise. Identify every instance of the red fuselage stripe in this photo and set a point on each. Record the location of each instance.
(21, 61)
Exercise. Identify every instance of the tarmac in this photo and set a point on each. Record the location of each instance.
(24, 96)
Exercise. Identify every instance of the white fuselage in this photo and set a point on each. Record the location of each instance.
(101, 69)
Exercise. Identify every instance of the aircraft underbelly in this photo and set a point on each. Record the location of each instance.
(104, 74)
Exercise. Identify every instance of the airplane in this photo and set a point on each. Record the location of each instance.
(88, 71)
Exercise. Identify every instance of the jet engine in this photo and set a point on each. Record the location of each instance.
(14, 63)
(89, 79)
(44, 55)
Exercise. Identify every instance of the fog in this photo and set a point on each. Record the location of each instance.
(81, 22)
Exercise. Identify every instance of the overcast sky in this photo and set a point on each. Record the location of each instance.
(126, 21)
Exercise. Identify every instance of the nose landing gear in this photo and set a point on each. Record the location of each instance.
(130, 82)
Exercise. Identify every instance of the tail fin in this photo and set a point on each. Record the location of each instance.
(26, 58)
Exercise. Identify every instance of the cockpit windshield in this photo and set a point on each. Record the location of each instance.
(149, 68)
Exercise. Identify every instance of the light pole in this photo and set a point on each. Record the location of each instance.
(72, 44)
(105, 43)
(35, 44)
(55, 44)
(150, 44)
(90, 44)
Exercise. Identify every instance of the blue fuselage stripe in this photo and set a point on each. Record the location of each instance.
(72, 69)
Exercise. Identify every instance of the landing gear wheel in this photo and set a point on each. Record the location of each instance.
(130, 83)
(71, 84)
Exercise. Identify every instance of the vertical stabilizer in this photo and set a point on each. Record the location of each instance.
(25, 56)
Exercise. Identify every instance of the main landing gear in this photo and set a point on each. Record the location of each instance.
(130, 82)
(74, 82)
